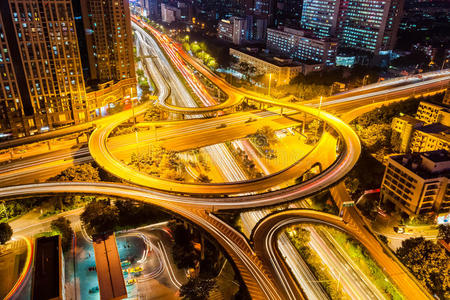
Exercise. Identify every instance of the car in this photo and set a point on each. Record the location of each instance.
(131, 281)
(223, 125)
(399, 229)
(136, 270)
(125, 263)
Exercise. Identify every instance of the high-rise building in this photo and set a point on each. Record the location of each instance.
(298, 44)
(289, 13)
(369, 25)
(321, 17)
(41, 80)
(108, 39)
(265, 9)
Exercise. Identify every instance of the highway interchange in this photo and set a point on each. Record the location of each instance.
(255, 270)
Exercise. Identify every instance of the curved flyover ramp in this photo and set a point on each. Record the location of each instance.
(265, 235)
(258, 281)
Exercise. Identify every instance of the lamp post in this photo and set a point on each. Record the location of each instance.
(270, 81)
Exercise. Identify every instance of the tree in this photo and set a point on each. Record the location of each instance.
(444, 232)
(265, 136)
(429, 263)
(183, 251)
(6, 233)
(197, 289)
(152, 114)
(100, 217)
(204, 178)
(84, 172)
(62, 226)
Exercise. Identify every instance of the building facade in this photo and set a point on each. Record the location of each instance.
(233, 30)
(418, 183)
(430, 137)
(321, 17)
(298, 44)
(170, 13)
(369, 25)
(405, 126)
(281, 70)
(433, 113)
(41, 85)
(108, 39)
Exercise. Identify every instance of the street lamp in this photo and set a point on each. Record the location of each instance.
(365, 79)
(270, 81)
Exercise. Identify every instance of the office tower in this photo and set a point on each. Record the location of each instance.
(153, 8)
(41, 82)
(301, 45)
(108, 40)
(321, 17)
(265, 9)
(289, 13)
(369, 25)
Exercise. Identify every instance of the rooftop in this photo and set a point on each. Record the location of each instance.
(438, 130)
(278, 60)
(409, 119)
(431, 164)
(437, 156)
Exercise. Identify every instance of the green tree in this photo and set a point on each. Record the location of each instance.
(444, 232)
(152, 114)
(140, 72)
(62, 226)
(197, 289)
(266, 136)
(183, 251)
(6, 233)
(204, 178)
(429, 263)
(100, 217)
(84, 172)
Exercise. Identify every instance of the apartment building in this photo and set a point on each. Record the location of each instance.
(404, 126)
(430, 137)
(41, 80)
(433, 113)
(418, 183)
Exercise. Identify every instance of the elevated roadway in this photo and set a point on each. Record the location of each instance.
(265, 234)
(256, 278)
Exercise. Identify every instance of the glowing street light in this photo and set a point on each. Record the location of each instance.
(270, 81)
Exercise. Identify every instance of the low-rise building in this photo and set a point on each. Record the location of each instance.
(282, 70)
(446, 100)
(418, 183)
(405, 126)
(433, 113)
(302, 45)
(430, 137)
